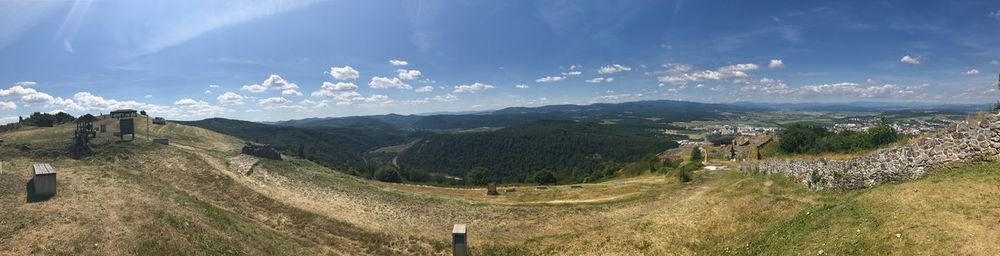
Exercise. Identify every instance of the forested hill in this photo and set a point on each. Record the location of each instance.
(343, 148)
(666, 110)
(574, 151)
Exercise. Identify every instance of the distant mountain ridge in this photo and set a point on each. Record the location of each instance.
(662, 109)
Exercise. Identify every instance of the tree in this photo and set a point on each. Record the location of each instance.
(387, 174)
(882, 134)
(477, 176)
(543, 177)
(696, 155)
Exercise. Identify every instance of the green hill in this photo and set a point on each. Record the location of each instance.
(574, 151)
(198, 196)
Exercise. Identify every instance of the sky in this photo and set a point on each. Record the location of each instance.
(280, 60)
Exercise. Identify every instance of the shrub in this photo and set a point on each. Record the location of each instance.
(543, 178)
(477, 176)
(387, 174)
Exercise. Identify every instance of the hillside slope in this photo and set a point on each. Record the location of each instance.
(197, 196)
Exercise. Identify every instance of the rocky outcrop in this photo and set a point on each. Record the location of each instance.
(261, 150)
(964, 141)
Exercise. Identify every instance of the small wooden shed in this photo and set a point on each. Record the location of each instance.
(459, 240)
(43, 178)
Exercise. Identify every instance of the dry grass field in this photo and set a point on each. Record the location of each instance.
(198, 196)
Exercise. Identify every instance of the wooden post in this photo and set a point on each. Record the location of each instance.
(459, 240)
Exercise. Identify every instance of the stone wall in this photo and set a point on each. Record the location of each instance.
(964, 141)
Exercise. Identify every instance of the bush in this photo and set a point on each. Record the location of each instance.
(477, 176)
(387, 174)
(543, 178)
(684, 172)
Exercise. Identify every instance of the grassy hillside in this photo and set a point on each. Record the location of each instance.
(197, 197)
(573, 150)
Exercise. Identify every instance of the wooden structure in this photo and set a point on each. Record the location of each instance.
(126, 122)
(85, 127)
(43, 179)
(491, 189)
(459, 240)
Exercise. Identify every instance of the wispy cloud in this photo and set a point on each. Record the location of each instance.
(215, 15)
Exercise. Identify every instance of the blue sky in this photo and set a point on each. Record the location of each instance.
(277, 60)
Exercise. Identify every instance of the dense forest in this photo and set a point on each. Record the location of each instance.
(565, 150)
(799, 138)
(341, 148)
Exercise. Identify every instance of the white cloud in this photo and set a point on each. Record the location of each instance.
(550, 79)
(971, 72)
(776, 63)
(681, 74)
(408, 74)
(522, 86)
(230, 98)
(766, 86)
(213, 86)
(471, 88)
(208, 91)
(274, 82)
(910, 60)
(273, 101)
(599, 80)
(427, 88)
(344, 73)
(148, 96)
(339, 86)
(385, 82)
(186, 102)
(847, 88)
(995, 62)
(8, 119)
(995, 15)
(254, 88)
(343, 93)
(7, 105)
(574, 67)
(572, 73)
(395, 62)
(613, 68)
(199, 108)
(445, 98)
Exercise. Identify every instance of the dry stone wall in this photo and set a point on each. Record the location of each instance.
(964, 141)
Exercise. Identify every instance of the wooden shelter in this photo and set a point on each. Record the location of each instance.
(126, 122)
(459, 240)
(43, 178)
(85, 126)
(124, 113)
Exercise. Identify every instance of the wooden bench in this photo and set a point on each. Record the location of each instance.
(43, 178)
